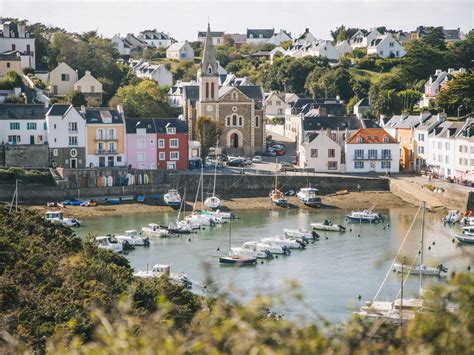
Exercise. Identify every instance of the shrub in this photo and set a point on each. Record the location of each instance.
(26, 176)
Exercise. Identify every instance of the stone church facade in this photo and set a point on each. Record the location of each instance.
(238, 110)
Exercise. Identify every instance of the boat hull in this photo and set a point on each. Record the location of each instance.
(362, 219)
(426, 271)
(465, 238)
(228, 260)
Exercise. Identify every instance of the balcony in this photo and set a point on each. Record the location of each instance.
(373, 158)
(106, 138)
(106, 151)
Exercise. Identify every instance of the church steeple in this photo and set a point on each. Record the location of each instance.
(208, 62)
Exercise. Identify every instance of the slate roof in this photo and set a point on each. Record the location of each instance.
(371, 136)
(404, 121)
(97, 115)
(447, 129)
(368, 123)
(162, 123)
(58, 110)
(350, 122)
(266, 33)
(452, 34)
(132, 124)
(191, 92)
(177, 46)
(311, 136)
(363, 102)
(213, 34)
(22, 111)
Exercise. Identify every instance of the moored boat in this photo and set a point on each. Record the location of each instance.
(246, 252)
(452, 217)
(309, 196)
(164, 270)
(134, 238)
(108, 242)
(467, 235)
(172, 198)
(274, 249)
(281, 241)
(368, 216)
(213, 202)
(236, 260)
(58, 217)
(155, 230)
(301, 234)
(328, 226)
(421, 269)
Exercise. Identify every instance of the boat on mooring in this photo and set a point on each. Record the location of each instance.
(368, 216)
(277, 197)
(467, 235)
(108, 242)
(237, 260)
(58, 217)
(164, 270)
(134, 238)
(213, 202)
(155, 230)
(309, 196)
(274, 249)
(172, 198)
(327, 225)
(452, 217)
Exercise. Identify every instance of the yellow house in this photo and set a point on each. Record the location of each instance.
(105, 136)
(8, 63)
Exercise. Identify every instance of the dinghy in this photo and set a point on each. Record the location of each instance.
(328, 226)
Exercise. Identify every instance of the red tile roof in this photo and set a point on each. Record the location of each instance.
(371, 136)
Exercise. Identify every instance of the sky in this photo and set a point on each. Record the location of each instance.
(183, 18)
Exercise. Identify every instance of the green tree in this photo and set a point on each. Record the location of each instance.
(409, 99)
(459, 92)
(77, 99)
(145, 99)
(387, 102)
(421, 61)
(208, 131)
(435, 38)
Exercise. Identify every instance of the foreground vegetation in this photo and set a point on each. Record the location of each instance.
(62, 295)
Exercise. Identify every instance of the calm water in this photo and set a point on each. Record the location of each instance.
(331, 272)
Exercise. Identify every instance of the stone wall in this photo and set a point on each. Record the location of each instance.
(27, 156)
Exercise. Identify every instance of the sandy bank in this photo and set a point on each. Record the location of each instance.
(354, 200)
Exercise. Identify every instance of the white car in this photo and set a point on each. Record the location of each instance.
(257, 159)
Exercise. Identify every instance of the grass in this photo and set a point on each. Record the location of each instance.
(374, 77)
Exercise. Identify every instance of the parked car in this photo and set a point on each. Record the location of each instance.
(269, 153)
(257, 159)
(236, 162)
(279, 152)
(287, 167)
(248, 161)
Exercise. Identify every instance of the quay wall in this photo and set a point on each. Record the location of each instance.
(75, 185)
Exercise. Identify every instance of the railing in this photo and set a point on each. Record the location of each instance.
(106, 151)
(359, 158)
(106, 138)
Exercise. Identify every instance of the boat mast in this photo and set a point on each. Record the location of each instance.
(230, 233)
(401, 298)
(276, 174)
(215, 173)
(197, 193)
(202, 186)
(423, 204)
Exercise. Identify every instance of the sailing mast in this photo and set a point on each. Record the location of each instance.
(197, 193)
(422, 244)
(215, 173)
(230, 233)
(202, 186)
(276, 174)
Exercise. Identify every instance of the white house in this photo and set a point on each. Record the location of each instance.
(275, 104)
(66, 136)
(278, 52)
(464, 148)
(122, 46)
(421, 134)
(320, 152)
(343, 47)
(62, 79)
(360, 40)
(307, 36)
(323, 48)
(90, 87)
(176, 92)
(15, 40)
(23, 124)
(385, 46)
(436, 83)
(156, 39)
(218, 37)
(181, 51)
(441, 155)
(372, 150)
(259, 36)
(156, 72)
(279, 37)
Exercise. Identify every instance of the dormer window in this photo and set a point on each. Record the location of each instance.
(171, 130)
(385, 139)
(359, 139)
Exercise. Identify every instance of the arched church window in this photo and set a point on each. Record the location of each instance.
(207, 90)
(234, 96)
(209, 69)
(228, 121)
(240, 121)
(257, 121)
(212, 90)
(234, 120)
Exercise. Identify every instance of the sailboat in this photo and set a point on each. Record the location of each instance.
(213, 201)
(233, 259)
(422, 268)
(276, 196)
(400, 309)
(180, 227)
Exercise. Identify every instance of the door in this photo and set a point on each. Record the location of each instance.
(171, 165)
(110, 161)
(102, 162)
(73, 163)
(234, 140)
(32, 139)
(372, 166)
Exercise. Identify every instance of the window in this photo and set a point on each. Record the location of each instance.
(332, 165)
(55, 152)
(446, 159)
(314, 153)
(359, 139)
(381, 53)
(31, 125)
(228, 121)
(14, 139)
(440, 145)
(141, 156)
(207, 90)
(72, 126)
(171, 130)
(372, 153)
(8, 64)
(140, 143)
(446, 146)
(386, 165)
(72, 141)
(240, 121)
(257, 121)
(358, 165)
(440, 158)
(141, 131)
(161, 156)
(14, 126)
(269, 103)
(92, 88)
(112, 147)
(64, 77)
(333, 136)
(359, 154)
(73, 153)
(278, 103)
(112, 133)
(212, 90)
(28, 49)
(161, 143)
(411, 140)
(100, 147)
(174, 155)
(391, 44)
(234, 120)
(234, 95)
(99, 134)
(173, 143)
(331, 153)
(55, 126)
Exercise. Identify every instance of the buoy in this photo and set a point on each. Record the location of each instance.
(189, 239)
(388, 225)
(276, 256)
(327, 238)
(350, 229)
(434, 242)
(383, 228)
(394, 270)
(261, 262)
(429, 248)
(453, 240)
(469, 268)
(358, 235)
(359, 297)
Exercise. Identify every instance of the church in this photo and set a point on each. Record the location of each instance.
(238, 110)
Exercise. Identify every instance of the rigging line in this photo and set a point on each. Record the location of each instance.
(287, 181)
(398, 252)
(408, 274)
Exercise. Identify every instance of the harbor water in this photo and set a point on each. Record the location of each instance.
(331, 273)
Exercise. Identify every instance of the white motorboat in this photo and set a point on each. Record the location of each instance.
(108, 242)
(452, 217)
(421, 269)
(237, 260)
(163, 270)
(219, 214)
(179, 228)
(467, 235)
(280, 241)
(309, 196)
(213, 202)
(187, 224)
(58, 217)
(202, 219)
(246, 252)
(274, 249)
(172, 198)
(155, 230)
(328, 226)
(468, 221)
(365, 216)
(301, 234)
(134, 238)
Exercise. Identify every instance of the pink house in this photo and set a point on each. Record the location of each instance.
(141, 143)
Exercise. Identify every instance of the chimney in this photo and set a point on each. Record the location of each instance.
(21, 30)
(438, 71)
(6, 30)
(120, 110)
(83, 109)
(441, 116)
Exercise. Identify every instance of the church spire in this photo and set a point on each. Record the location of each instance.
(208, 62)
